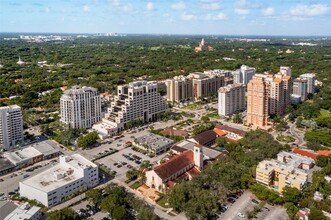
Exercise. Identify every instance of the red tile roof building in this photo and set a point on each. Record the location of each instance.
(305, 153)
(164, 175)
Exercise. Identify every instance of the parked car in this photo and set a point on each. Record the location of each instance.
(26, 176)
(266, 208)
(241, 215)
(233, 196)
(1, 180)
(255, 201)
(270, 203)
(231, 200)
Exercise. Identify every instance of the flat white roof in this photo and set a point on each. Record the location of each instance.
(24, 211)
(60, 175)
(24, 154)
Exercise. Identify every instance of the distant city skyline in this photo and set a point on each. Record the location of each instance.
(218, 17)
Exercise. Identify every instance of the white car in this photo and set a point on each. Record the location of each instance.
(241, 215)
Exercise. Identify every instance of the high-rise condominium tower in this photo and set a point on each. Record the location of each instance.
(80, 107)
(11, 127)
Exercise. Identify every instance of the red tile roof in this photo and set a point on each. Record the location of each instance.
(171, 183)
(174, 165)
(305, 153)
(324, 152)
(205, 137)
(219, 132)
(231, 129)
(193, 172)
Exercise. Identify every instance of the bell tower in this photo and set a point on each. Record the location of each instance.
(198, 156)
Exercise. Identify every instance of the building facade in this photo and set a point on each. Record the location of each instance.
(300, 89)
(26, 212)
(287, 170)
(257, 102)
(80, 107)
(285, 70)
(243, 75)
(231, 99)
(53, 185)
(11, 127)
(179, 89)
(311, 78)
(137, 100)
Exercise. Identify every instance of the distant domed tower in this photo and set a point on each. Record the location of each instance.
(198, 156)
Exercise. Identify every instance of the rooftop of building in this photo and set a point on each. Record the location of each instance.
(5, 164)
(60, 174)
(305, 153)
(74, 90)
(140, 84)
(14, 107)
(25, 211)
(230, 86)
(324, 152)
(22, 155)
(230, 129)
(153, 141)
(174, 165)
(205, 137)
(308, 75)
(45, 147)
(6, 208)
(209, 153)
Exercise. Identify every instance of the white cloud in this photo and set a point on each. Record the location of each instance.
(179, 6)
(150, 6)
(242, 4)
(310, 10)
(242, 11)
(86, 8)
(127, 8)
(188, 17)
(268, 11)
(217, 17)
(115, 2)
(46, 9)
(211, 5)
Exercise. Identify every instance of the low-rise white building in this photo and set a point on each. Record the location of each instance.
(153, 143)
(26, 212)
(52, 186)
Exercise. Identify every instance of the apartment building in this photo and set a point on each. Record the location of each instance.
(285, 70)
(257, 101)
(244, 74)
(311, 78)
(179, 89)
(53, 185)
(80, 107)
(276, 88)
(195, 86)
(136, 100)
(231, 99)
(300, 89)
(287, 170)
(11, 127)
(206, 84)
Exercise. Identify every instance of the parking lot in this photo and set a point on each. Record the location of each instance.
(245, 203)
(119, 163)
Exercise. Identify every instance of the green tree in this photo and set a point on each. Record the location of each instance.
(63, 214)
(93, 195)
(291, 194)
(316, 214)
(221, 141)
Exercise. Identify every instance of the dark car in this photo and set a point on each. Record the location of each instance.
(233, 196)
(270, 203)
(231, 200)
(266, 208)
(255, 201)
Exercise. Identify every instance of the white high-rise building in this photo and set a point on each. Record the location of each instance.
(80, 107)
(285, 70)
(300, 89)
(136, 100)
(11, 127)
(53, 185)
(243, 75)
(310, 77)
(231, 99)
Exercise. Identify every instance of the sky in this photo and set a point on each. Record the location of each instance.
(209, 17)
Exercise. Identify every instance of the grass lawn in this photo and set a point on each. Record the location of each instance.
(193, 106)
(286, 139)
(136, 185)
(162, 201)
(325, 113)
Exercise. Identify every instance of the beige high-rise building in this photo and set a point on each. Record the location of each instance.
(11, 127)
(205, 85)
(257, 101)
(310, 77)
(276, 88)
(179, 89)
(80, 107)
(194, 86)
(136, 100)
(231, 99)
